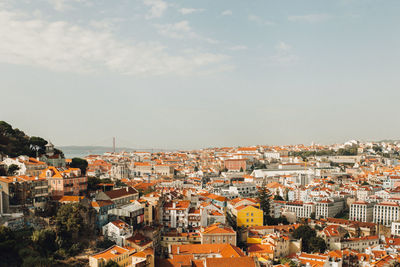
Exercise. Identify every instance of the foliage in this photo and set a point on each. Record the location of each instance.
(343, 214)
(310, 242)
(79, 163)
(278, 197)
(44, 241)
(111, 264)
(93, 183)
(69, 219)
(118, 183)
(351, 151)
(14, 142)
(7, 246)
(365, 183)
(104, 244)
(317, 244)
(12, 169)
(263, 198)
(284, 261)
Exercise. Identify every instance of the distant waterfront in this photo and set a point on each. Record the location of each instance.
(83, 151)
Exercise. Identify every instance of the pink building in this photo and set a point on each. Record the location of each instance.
(65, 182)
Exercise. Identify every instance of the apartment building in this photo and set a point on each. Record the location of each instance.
(24, 190)
(65, 182)
(218, 233)
(176, 213)
(328, 208)
(121, 255)
(248, 216)
(361, 211)
(386, 212)
(300, 208)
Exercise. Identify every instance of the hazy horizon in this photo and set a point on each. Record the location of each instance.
(195, 74)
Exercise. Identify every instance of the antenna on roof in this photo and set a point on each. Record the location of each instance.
(114, 145)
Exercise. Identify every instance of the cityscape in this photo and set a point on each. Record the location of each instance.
(199, 133)
(293, 205)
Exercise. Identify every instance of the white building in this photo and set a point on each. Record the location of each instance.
(117, 231)
(328, 208)
(386, 212)
(395, 229)
(361, 211)
(301, 209)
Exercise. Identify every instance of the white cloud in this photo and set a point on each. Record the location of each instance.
(186, 11)
(181, 30)
(62, 46)
(284, 54)
(227, 12)
(64, 5)
(310, 18)
(157, 8)
(238, 47)
(260, 20)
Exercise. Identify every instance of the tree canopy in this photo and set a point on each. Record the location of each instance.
(79, 163)
(14, 142)
(310, 242)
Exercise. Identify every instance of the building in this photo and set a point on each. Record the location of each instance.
(360, 243)
(248, 216)
(301, 209)
(23, 190)
(164, 170)
(395, 228)
(117, 231)
(386, 212)
(27, 165)
(132, 213)
(63, 181)
(121, 255)
(176, 213)
(218, 233)
(102, 207)
(361, 211)
(328, 208)
(121, 196)
(235, 164)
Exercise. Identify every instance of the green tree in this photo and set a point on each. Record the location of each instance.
(263, 198)
(12, 169)
(278, 197)
(317, 244)
(309, 240)
(93, 183)
(79, 163)
(44, 241)
(111, 264)
(7, 246)
(69, 220)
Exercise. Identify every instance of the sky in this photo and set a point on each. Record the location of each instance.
(190, 74)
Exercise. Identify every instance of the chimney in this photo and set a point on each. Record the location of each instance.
(173, 205)
(177, 250)
(127, 189)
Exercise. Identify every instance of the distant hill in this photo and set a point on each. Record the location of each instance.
(82, 151)
(14, 142)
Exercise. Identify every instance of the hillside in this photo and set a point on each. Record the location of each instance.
(14, 142)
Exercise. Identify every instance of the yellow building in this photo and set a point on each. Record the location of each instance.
(248, 216)
(120, 255)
